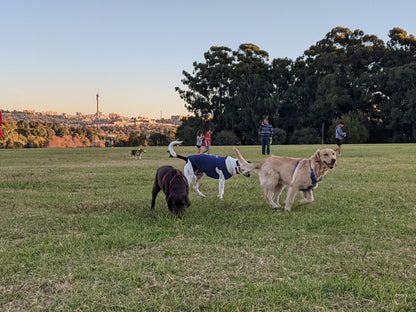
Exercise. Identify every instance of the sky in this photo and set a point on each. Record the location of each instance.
(56, 55)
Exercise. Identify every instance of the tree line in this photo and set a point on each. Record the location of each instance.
(36, 134)
(348, 75)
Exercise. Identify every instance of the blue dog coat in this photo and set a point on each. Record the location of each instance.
(208, 163)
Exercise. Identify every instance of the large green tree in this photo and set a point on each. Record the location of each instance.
(208, 87)
(187, 131)
(253, 89)
(347, 74)
(231, 88)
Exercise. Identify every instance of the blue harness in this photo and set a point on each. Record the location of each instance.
(313, 178)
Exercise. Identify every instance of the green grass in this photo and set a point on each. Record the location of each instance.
(77, 234)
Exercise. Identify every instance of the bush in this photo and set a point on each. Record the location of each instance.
(35, 142)
(65, 141)
(186, 132)
(357, 133)
(136, 139)
(158, 139)
(279, 136)
(305, 136)
(226, 137)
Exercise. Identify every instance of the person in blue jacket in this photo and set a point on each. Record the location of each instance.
(339, 135)
(266, 133)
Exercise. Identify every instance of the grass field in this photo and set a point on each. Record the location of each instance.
(77, 234)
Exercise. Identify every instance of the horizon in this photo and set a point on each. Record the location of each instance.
(55, 113)
(60, 54)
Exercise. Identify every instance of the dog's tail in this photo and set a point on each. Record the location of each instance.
(173, 153)
(244, 163)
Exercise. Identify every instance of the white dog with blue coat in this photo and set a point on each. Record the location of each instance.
(218, 167)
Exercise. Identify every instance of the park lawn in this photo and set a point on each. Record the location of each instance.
(77, 234)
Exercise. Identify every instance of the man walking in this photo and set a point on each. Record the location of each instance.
(339, 135)
(266, 132)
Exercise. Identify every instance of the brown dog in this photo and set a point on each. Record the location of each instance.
(175, 186)
(299, 174)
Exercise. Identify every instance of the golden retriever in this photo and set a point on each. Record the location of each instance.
(299, 174)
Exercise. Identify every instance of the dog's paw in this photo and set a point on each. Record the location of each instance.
(219, 196)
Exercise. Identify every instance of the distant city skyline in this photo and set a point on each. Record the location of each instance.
(57, 55)
(51, 112)
(96, 107)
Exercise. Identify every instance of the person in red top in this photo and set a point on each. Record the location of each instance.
(207, 141)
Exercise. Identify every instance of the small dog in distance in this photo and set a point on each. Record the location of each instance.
(137, 153)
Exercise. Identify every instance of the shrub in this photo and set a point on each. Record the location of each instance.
(65, 141)
(357, 133)
(279, 136)
(225, 137)
(305, 136)
(158, 139)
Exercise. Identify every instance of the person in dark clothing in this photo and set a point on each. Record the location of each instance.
(266, 132)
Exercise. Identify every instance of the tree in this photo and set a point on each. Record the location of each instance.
(60, 130)
(136, 140)
(11, 137)
(253, 86)
(226, 137)
(36, 142)
(63, 142)
(279, 136)
(401, 41)
(121, 139)
(209, 86)
(401, 90)
(232, 89)
(339, 60)
(158, 139)
(305, 136)
(357, 133)
(186, 132)
(347, 74)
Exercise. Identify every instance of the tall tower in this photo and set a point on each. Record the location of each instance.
(98, 104)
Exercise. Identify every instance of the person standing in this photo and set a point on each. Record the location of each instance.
(199, 140)
(339, 135)
(266, 132)
(207, 141)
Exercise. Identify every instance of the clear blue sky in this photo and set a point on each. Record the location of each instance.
(55, 55)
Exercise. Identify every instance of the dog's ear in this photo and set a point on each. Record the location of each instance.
(188, 202)
(318, 155)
